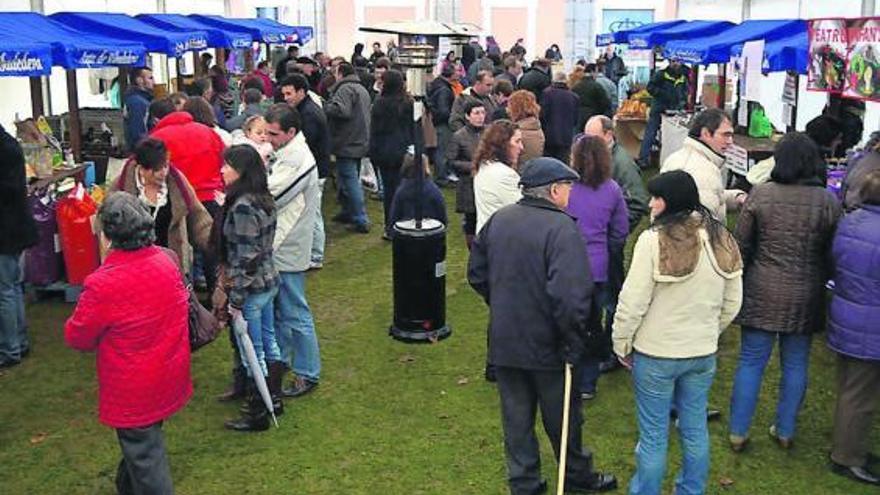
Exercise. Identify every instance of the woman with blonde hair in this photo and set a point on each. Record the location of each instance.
(524, 111)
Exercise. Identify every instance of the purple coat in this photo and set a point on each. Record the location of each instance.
(853, 328)
(602, 219)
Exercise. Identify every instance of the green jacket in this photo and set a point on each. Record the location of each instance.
(626, 173)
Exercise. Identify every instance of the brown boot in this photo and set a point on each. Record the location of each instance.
(254, 416)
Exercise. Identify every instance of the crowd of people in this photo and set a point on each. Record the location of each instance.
(226, 180)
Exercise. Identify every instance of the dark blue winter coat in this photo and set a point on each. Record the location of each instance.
(559, 114)
(136, 107)
(854, 323)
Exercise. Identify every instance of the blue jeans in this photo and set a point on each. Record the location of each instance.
(660, 383)
(13, 330)
(348, 171)
(755, 350)
(259, 313)
(319, 238)
(296, 328)
(650, 135)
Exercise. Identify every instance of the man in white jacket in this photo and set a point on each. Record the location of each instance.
(293, 182)
(702, 156)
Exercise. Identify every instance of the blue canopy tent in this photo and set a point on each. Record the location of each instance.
(648, 39)
(259, 31)
(24, 58)
(786, 54)
(217, 37)
(717, 49)
(70, 49)
(621, 36)
(125, 28)
(303, 34)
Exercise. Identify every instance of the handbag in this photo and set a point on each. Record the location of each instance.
(203, 325)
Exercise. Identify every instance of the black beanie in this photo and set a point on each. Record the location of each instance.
(678, 190)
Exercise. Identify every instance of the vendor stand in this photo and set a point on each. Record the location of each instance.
(218, 38)
(718, 49)
(263, 31)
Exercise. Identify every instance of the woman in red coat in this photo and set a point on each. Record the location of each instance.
(133, 312)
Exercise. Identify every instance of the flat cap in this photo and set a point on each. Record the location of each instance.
(544, 170)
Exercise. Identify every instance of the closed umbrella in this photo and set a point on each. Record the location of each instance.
(244, 340)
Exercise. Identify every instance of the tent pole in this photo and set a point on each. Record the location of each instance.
(693, 78)
(73, 109)
(37, 97)
(722, 86)
(179, 74)
(792, 125)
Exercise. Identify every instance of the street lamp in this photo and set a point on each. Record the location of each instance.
(419, 245)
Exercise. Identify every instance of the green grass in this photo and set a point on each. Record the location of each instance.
(388, 418)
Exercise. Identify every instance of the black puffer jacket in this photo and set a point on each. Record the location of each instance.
(529, 264)
(18, 231)
(785, 233)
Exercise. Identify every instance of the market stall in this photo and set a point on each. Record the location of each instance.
(218, 38)
(261, 30)
(719, 49)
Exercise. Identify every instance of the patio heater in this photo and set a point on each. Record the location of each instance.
(419, 245)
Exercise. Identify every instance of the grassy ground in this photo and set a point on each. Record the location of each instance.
(388, 418)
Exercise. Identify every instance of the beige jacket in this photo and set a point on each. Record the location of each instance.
(705, 166)
(532, 139)
(679, 295)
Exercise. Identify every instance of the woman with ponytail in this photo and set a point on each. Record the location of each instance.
(683, 289)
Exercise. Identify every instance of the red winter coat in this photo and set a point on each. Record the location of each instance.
(196, 150)
(133, 311)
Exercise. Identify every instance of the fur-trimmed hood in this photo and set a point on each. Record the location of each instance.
(679, 248)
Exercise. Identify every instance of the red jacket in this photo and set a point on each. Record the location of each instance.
(133, 311)
(196, 150)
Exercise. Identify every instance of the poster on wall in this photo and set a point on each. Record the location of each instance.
(863, 59)
(828, 49)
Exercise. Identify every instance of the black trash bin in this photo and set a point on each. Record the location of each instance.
(419, 261)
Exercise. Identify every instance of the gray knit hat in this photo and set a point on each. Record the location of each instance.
(126, 222)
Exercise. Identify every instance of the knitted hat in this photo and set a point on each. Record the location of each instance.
(678, 190)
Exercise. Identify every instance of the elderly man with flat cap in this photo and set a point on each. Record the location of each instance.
(529, 264)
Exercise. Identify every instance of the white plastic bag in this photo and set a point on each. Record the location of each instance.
(368, 176)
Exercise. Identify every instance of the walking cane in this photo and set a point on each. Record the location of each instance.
(563, 443)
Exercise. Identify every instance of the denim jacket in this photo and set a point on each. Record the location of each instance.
(248, 232)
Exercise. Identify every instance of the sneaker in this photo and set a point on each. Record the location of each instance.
(452, 178)
(785, 443)
(299, 388)
(316, 265)
(588, 395)
(737, 443)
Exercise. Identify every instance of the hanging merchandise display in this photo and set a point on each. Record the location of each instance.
(845, 57)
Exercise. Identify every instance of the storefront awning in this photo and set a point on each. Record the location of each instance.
(70, 48)
(717, 49)
(126, 28)
(217, 37)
